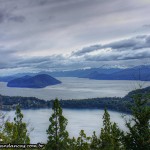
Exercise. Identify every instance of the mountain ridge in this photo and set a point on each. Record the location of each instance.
(134, 73)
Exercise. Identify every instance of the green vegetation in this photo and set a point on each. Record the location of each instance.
(111, 137)
(57, 134)
(112, 103)
(15, 132)
(138, 137)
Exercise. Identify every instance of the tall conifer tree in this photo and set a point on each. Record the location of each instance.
(57, 134)
(138, 137)
(110, 138)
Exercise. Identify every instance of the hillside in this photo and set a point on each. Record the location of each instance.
(112, 103)
(38, 81)
(137, 73)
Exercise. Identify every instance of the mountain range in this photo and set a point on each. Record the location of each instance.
(134, 73)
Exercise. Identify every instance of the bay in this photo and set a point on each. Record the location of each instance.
(77, 88)
(72, 88)
(87, 119)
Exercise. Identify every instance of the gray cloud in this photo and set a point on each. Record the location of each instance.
(132, 48)
(146, 26)
(87, 50)
(6, 15)
(40, 34)
(1, 17)
(50, 63)
(17, 18)
(92, 56)
(124, 55)
(138, 42)
(80, 22)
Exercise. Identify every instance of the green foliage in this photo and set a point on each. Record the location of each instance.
(138, 137)
(16, 132)
(83, 142)
(95, 142)
(110, 138)
(57, 134)
(72, 144)
(113, 103)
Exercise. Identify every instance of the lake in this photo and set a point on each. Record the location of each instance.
(89, 120)
(72, 88)
(77, 88)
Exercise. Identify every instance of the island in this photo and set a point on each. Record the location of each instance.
(38, 81)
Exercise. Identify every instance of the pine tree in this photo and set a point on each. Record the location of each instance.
(83, 142)
(110, 137)
(105, 132)
(72, 144)
(116, 137)
(57, 134)
(95, 142)
(138, 137)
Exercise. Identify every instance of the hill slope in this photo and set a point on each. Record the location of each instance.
(38, 81)
(137, 73)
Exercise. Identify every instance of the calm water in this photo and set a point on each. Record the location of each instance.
(89, 120)
(72, 88)
(77, 88)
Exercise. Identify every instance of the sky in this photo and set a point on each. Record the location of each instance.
(49, 35)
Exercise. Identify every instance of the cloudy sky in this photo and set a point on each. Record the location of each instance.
(38, 35)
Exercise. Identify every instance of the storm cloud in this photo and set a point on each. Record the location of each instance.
(133, 48)
(69, 34)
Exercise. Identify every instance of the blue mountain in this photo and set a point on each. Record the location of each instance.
(38, 81)
(82, 72)
(137, 73)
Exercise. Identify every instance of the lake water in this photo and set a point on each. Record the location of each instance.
(89, 120)
(72, 88)
(76, 88)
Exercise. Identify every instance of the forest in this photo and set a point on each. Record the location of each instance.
(111, 136)
(112, 103)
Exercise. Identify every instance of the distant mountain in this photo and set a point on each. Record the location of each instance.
(72, 73)
(137, 73)
(6, 78)
(96, 76)
(82, 72)
(11, 77)
(38, 81)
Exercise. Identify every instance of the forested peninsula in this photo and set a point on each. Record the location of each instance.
(112, 103)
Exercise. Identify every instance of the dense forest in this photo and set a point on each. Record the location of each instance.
(15, 134)
(113, 103)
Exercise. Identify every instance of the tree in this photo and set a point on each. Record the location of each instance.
(110, 137)
(16, 132)
(83, 142)
(95, 142)
(2, 124)
(57, 134)
(72, 144)
(138, 137)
